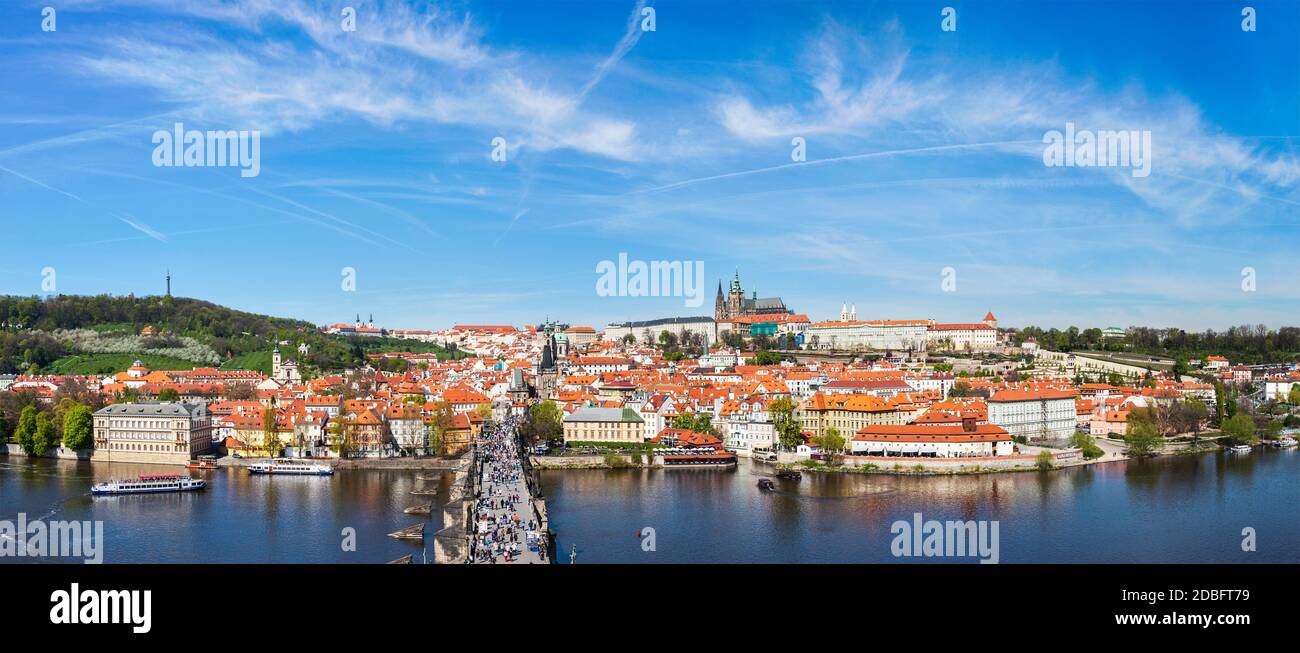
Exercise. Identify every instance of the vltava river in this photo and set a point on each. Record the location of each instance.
(1185, 509)
(239, 518)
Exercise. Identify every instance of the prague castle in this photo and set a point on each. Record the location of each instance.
(735, 304)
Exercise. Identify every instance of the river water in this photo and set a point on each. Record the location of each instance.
(1183, 509)
(1178, 509)
(240, 517)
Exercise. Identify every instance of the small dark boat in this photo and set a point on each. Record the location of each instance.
(766, 484)
(790, 475)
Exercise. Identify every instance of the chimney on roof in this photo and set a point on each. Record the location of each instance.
(968, 424)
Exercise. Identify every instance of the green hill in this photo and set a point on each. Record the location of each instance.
(240, 340)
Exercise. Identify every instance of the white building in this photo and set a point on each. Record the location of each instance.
(876, 334)
(164, 432)
(704, 326)
(965, 440)
(745, 431)
(1035, 415)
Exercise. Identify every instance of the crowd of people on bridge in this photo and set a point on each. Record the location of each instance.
(501, 535)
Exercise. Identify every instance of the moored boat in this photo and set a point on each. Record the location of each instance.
(1284, 442)
(290, 467)
(766, 484)
(1240, 448)
(202, 462)
(150, 484)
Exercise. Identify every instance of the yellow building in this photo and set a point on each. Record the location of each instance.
(591, 424)
(848, 413)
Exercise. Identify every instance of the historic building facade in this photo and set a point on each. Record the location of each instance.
(165, 432)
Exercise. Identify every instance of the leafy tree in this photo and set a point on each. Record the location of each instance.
(787, 425)
(270, 438)
(26, 430)
(959, 389)
(1240, 429)
(484, 410)
(169, 394)
(1190, 416)
(1142, 437)
(698, 422)
(241, 392)
(1089, 446)
(767, 358)
(545, 423)
(78, 427)
(831, 441)
(343, 436)
(1045, 460)
(1293, 397)
(43, 438)
(440, 422)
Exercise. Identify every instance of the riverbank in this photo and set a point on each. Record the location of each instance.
(86, 455)
(617, 461)
(449, 464)
(1114, 451)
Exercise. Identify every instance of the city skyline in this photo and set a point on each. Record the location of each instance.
(924, 151)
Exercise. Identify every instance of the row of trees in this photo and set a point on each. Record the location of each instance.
(37, 431)
(1248, 343)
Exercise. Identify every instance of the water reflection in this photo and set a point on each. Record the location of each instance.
(1186, 509)
(240, 517)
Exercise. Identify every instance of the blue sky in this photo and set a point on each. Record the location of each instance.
(924, 152)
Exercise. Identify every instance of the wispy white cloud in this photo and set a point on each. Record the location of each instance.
(399, 65)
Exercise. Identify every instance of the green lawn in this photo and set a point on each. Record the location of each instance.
(113, 363)
(253, 360)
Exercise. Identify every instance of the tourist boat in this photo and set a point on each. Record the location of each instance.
(290, 467)
(765, 455)
(766, 484)
(1284, 442)
(1240, 448)
(202, 462)
(150, 484)
(790, 475)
